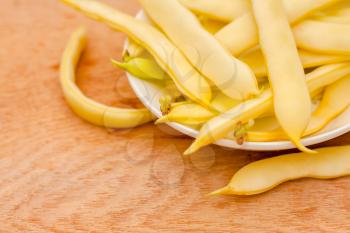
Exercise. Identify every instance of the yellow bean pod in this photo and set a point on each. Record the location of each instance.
(220, 126)
(336, 100)
(239, 35)
(186, 78)
(326, 75)
(86, 108)
(233, 77)
(146, 69)
(256, 60)
(223, 10)
(311, 60)
(292, 102)
(189, 113)
(323, 37)
(230, 36)
(263, 175)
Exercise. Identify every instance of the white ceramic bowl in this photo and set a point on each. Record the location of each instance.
(149, 95)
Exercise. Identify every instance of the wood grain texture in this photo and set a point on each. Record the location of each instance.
(60, 174)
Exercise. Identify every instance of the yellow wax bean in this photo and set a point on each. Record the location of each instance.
(146, 69)
(86, 108)
(256, 60)
(231, 35)
(223, 10)
(323, 37)
(292, 102)
(221, 125)
(233, 77)
(189, 113)
(239, 35)
(187, 79)
(326, 75)
(310, 59)
(263, 175)
(336, 100)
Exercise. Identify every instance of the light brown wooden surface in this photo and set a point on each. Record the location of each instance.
(60, 174)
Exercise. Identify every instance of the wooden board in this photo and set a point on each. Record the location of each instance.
(60, 174)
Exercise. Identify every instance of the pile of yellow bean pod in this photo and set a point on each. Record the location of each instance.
(244, 70)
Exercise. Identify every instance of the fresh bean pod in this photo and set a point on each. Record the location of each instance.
(187, 113)
(232, 38)
(335, 37)
(86, 108)
(146, 69)
(190, 113)
(292, 102)
(263, 175)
